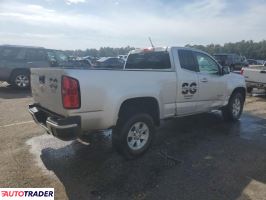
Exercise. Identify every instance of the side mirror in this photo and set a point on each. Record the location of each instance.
(226, 70)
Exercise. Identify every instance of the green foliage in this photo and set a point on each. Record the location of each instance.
(250, 49)
(102, 52)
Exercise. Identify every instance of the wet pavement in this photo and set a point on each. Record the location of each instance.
(199, 157)
(210, 159)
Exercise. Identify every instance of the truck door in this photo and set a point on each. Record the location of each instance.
(212, 84)
(187, 82)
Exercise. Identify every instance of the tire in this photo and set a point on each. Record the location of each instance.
(133, 135)
(232, 68)
(249, 89)
(21, 79)
(234, 109)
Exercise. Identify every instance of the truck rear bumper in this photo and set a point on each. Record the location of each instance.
(64, 128)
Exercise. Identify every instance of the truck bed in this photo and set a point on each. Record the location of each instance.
(98, 86)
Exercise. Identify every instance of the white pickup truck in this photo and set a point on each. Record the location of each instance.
(255, 77)
(155, 84)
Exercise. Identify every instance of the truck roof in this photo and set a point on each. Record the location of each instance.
(158, 49)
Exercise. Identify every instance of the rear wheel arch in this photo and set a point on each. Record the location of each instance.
(14, 71)
(148, 105)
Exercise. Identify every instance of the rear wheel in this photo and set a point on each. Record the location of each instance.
(133, 135)
(233, 110)
(249, 89)
(21, 79)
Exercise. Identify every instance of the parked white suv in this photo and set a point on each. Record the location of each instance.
(155, 84)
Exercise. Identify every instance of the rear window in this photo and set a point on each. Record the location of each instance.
(148, 60)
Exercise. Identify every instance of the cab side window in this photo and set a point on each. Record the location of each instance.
(206, 64)
(187, 60)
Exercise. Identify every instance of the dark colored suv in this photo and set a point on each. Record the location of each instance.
(234, 61)
(16, 61)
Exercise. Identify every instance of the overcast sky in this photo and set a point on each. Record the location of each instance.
(81, 24)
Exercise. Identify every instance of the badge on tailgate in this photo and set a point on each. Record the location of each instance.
(41, 83)
(42, 79)
(53, 84)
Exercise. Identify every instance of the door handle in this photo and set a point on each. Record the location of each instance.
(204, 80)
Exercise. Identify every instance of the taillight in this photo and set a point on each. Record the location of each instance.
(242, 71)
(70, 93)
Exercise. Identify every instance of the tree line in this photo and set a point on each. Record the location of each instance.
(102, 52)
(249, 49)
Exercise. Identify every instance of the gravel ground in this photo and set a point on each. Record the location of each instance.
(199, 157)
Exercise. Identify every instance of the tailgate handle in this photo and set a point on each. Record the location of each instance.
(263, 72)
(42, 79)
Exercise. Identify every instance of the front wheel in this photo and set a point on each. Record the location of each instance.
(233, 110)
(133, 135)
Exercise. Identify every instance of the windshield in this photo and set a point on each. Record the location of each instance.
(57, 56)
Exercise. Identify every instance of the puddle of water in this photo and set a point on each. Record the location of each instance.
(38, 143)
(252, 130)
(49, 145)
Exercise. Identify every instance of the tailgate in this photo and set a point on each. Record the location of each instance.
(46, 88)
(257, 75)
